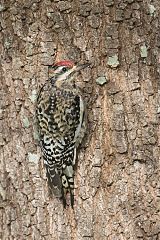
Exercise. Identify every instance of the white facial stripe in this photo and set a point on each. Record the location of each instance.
(59, 69)
(66, 74)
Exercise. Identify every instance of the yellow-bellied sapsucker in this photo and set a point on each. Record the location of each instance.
(60, 117)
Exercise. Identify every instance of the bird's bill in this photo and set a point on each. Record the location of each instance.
(81, 66)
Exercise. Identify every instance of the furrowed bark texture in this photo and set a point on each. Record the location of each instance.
(117, 178)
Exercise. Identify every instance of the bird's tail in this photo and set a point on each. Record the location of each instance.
(54, 180)
(59, 166)
(67, 177)
(61, 181)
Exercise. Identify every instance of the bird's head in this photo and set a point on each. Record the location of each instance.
(64, 70)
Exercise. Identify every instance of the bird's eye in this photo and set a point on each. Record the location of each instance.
(64, 69)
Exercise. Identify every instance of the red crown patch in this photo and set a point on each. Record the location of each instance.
(67, 63)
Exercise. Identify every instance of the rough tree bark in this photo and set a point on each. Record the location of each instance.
(117, 178)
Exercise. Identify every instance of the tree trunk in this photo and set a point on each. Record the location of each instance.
(116, 181)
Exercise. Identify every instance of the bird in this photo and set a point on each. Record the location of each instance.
(61, 124)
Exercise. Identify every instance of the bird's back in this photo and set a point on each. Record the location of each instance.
(60, 117)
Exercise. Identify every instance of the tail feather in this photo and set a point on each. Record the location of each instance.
(54, 181)
(59, 167)
(68, 183)
(61, 181)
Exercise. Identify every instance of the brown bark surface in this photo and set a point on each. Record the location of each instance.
(117, 187)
